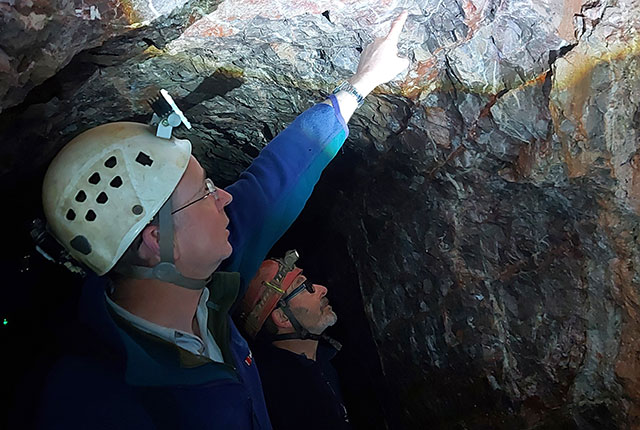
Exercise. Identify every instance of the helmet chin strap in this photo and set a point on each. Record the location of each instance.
(303, 333)
(165, 270)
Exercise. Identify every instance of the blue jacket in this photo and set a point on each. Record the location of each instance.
(272, 192)
(114, 376)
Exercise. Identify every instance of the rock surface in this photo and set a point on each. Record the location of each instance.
(486, 204)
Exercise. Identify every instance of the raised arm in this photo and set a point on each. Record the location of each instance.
(271, 193)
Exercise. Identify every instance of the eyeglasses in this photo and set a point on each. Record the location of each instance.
(211, 190)
(306, 285)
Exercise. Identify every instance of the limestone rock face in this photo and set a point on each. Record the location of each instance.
(486, 202)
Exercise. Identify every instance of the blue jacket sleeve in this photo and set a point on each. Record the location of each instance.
(271, 193)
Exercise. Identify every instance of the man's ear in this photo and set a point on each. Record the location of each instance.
(149, 248)
(280, 319)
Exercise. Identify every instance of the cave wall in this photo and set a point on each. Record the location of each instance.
(486, 203)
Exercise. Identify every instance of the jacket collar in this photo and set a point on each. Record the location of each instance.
(223, 291)
(145, 359)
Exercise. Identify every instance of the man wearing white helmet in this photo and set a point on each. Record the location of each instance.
(156, 347)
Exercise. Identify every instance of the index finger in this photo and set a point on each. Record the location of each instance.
(396, 27)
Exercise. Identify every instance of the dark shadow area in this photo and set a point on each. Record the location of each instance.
(37, 299)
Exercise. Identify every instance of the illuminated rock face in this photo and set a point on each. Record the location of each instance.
(486, 203)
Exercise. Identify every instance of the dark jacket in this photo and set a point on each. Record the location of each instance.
(301, 393)
(115, 376)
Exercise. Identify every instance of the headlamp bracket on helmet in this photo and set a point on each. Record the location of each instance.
(286, 265)
(47, 246)
(166, 115)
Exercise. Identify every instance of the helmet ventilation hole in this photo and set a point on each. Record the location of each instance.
(95, 178)
(116, 182)
(81, 244)
(111, 162)
(137, 210)
(102, 198)
(90, 216)
(71, 215)
(81, 196)
(144, 159)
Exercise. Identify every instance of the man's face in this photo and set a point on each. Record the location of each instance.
(201, 235)
(312, 310)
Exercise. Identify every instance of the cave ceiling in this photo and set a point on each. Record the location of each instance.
(491, 209)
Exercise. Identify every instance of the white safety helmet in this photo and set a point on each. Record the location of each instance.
(106, 185)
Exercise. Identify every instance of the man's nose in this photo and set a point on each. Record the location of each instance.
(321, 290)
(224, 197)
